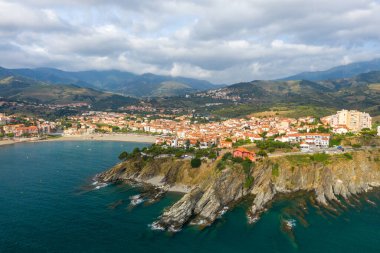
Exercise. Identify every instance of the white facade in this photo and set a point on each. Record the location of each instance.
(353, 120)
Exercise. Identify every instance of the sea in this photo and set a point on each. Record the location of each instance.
(50, 203)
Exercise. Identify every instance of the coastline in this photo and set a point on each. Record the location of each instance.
(92, 137)
(157, 182)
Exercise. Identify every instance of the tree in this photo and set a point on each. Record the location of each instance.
(212, 155)
(262, 153)
(187, 144)
(179, 153)
(123, 156)
(196, 162)
(227, 156)
(263, 134)
(136, 151)
(10, 135)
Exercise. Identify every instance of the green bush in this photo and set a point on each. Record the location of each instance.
(241, 143)
(248, 182)
(348, 156)
(221, 165)
(262, 153)
(179, 153)
(320, 157)
(335, 140)
(272, 145)
(227, 156)
(356, 145)
(247, 165)
(196, 162)
(123, 156)
(275, 170)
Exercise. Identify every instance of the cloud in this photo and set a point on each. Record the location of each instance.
(218, 40)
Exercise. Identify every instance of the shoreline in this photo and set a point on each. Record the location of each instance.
(93, 137)
(157, 182)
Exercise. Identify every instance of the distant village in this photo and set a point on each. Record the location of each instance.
(308, 132)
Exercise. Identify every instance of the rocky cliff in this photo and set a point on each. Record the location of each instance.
(215, 190)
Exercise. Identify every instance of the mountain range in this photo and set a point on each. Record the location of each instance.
(103, 90)
(124, 83)
(361, 92)
(344, 71)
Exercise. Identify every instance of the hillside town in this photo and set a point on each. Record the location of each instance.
(308, 132)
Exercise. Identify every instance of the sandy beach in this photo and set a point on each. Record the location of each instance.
(93, 137)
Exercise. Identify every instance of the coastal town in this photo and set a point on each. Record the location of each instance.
(305, 133)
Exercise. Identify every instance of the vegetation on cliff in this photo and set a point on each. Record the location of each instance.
(218, 185)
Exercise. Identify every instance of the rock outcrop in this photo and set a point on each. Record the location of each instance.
(213, 191)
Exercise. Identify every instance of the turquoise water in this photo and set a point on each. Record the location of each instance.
(46, 206)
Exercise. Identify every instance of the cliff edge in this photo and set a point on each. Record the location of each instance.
(218, 185)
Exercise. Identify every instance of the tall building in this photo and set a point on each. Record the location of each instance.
(353, 120)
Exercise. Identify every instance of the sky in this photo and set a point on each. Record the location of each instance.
(222, 41)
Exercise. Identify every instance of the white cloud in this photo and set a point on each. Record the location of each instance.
(184, 69)
(218, 40)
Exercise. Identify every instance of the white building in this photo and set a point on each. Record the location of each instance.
(353, 120)
(320, 140)
(3, 120)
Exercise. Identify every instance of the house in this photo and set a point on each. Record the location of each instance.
(253, 137)
(244, 154)
(31, 130)
(320, 140)
(340, 129)
(225, 144)
(11, 128)
(304, 147)
(3, 120)
(106, 128)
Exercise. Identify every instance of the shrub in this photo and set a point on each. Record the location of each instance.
(241, 142)
(123, 156)
(262, 153)
(10, 135)
(136, 151)
(248, 182)
(335, 140)
(196, 162)
(348, 156)
(227, 156)
(275, 170)
(247, 166)
(212, 155)
(237, 159)
(356, 145)
(272, 145)
(221, 165)
(179, 153)
(320, 157)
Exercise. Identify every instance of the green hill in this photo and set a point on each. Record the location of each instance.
(361, 92)
(28, 90)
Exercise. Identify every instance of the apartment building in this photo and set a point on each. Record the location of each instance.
(352, 119)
